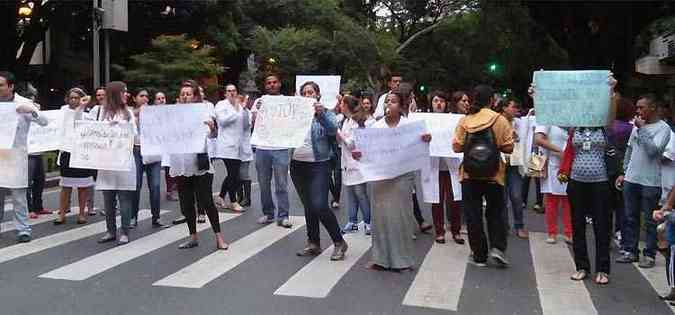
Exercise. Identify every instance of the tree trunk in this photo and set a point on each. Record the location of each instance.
(418, 34)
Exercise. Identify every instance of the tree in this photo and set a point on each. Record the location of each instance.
(170, 60)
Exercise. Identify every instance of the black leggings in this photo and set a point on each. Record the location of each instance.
(200, 187)
(231, 183)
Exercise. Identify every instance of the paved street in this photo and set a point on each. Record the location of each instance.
(64, 271)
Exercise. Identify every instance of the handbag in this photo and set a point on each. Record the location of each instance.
(612, 159)
(537, 166)
(567, 159)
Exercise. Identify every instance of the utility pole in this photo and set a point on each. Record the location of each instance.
(115, 17)
(96, 26)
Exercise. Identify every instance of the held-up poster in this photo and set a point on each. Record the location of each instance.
(283, 121)
(572, 98)
(390, 152)
(174, 129)
(102, 145)
(46, 138)
(442, 129)
(8, 123)
(329, 85)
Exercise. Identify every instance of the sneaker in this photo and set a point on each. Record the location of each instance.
(286, 223)
(499, 258)
(265, 220)
(617, 236)
(189, 244)
(335, 204)
(551, 239)
(350, 227)
(106, 238)
(201, 218)
(538, 209)
(179, 220)
(220, 202)
(23, 238)
(339, 251)
(124, 239)
(481, 264)
(627, 258)
(522, 234)
(310, 250)
(367, 228)
(647, 262)
(589, 220)
(236, 207)
(158, 224)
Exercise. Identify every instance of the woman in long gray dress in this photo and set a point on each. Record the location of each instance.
(393, 224)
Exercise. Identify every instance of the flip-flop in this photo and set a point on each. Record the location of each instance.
(602, 275)
(579, 275)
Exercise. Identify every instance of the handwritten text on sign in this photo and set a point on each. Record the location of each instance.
(283, 121)
(442, 129)
(8, 123)
(47, 138)
(103, 146)
(572, 98)
(174, 129)
(390, 152)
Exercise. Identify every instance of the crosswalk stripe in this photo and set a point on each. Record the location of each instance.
(553, 266)
(214, 265)
(440, 279)
(305, 283)
(47, 242)
(93, 265)
(656, 276)
(10, 226)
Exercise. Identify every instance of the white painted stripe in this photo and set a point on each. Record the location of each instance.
(93, 265)
(553, 266)
(9, 225)
(214, 265)
(318, 278)
(655, 276)
(47, 242)
(440, 279)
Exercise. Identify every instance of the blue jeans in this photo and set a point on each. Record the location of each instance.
(126, 199)
(270, 163)
(514, 194)
(356, 197)
(639, 200)
(153, 171)
(311, 183)
(20, 209)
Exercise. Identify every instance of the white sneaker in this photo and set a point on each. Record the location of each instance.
(367, 229)
(335, 204)
(350, 227)
(236, 207)
(551, 240)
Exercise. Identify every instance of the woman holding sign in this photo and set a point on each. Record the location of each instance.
(309, 173)
(393, 223)
(81, 179)
(194, 176)
(116, 184)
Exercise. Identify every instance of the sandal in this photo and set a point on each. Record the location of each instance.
(458, 239)
(59, 221)
(425, 227)
(81, 220)
(374, 266)
(579, 275)
(440, 239)
(601, 278)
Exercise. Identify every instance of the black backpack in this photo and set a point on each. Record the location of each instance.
(481, 155)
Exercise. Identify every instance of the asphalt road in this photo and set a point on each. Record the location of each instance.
(64, 271)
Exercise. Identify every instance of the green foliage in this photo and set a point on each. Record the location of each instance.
(170, 60)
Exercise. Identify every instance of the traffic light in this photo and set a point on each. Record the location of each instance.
(422, 88)
(493, 67)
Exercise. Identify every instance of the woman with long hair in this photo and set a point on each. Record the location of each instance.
(116, 184)
(195, 180)
(81, 179)
(309, 172)
(393, 222)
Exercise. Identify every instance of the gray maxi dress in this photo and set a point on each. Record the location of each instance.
(393, 222)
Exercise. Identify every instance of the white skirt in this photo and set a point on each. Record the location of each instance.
(74, 182)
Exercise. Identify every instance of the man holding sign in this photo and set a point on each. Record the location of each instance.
(271, 161)
(14, 161)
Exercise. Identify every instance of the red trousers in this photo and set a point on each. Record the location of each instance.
(551, 204)
(454, 207)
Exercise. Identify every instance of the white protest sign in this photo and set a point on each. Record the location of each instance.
(390, 152)
(572, 98)
(102, 145)
(68, 129)
(174, 129)
(8, 123)
(14, 166)
(442, 129)
(46, 138)
(329, 85)
(283, 121)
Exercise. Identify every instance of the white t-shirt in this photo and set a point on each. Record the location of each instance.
(558, 137)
